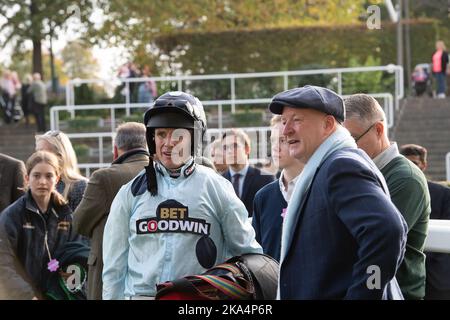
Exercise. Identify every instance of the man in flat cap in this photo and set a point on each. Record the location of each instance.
(342, 237)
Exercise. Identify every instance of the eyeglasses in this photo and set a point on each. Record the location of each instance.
(365, 132)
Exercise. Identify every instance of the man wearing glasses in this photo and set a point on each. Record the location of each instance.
(366, 121)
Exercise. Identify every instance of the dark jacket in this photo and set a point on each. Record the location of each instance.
(72, 258)
(255, 179)
(24, 258)
(267, 221)
(12, 173)
(438, 264)
(91, 214)
(347, 230)
(75, 193)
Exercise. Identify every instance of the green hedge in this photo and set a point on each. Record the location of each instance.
(248, 118)
(294, 48)
(83, 123)
(82, 152)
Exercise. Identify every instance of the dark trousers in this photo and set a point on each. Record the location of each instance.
(39, 114)
(8, 107)
(440, 79)
(432, 293)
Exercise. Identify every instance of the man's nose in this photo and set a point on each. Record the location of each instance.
(287, 128)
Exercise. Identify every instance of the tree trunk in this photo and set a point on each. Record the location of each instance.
(37, 57)
(36, 38)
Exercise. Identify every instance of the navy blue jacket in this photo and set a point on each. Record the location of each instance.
(267, 221)
(438, 264)
(346, 227)
(255, 179)
(23, 253)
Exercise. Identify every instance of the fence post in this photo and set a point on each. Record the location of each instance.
(100, 149)
(127, 101)
(220, 114)
(233, 94)
(339, 83)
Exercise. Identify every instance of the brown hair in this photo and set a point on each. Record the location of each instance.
(414, 150)
(238, 133)
(50, 159)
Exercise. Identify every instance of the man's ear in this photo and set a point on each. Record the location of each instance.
(380, 128)
(330, 123)
(425, 165)
(247, 150)
(115, 153)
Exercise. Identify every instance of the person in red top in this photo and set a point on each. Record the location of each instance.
(440, 61)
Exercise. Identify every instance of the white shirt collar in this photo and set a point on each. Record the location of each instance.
(386, 156)
(290, 188)
(243, 172)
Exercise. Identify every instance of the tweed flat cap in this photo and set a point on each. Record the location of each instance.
(310, 97)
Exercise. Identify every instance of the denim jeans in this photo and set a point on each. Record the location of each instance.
(441, 85)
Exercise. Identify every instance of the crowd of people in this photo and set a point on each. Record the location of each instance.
(344, 217)
(32, 94)
(141, 92)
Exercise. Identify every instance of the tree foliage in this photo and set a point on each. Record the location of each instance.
(35, 20)
(79, 61)
(21, 63)
(136, 24)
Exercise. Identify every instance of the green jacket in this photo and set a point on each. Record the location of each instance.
(409, 192)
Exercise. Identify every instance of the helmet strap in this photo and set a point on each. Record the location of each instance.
(152, 186)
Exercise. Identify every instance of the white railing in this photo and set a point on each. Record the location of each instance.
(438, 238)
(188, 79)
(55, 111)
(387, 104)
(259, 137)
(447, 165)
(87, 167)
(390, 101)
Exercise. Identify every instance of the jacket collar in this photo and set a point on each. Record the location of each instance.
(186, 170)
(127, 155)
(31, 205)
(386, 156)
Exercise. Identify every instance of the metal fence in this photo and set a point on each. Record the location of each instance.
(447, 165)
(260, 135)
(438, 238)
(182, 80)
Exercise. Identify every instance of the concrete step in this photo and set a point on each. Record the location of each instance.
(17, 140)
(426, 122)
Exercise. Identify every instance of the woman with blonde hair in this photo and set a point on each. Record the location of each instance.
(32, 230)
(72, 183)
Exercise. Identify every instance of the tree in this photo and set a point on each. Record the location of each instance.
(21, 62)
(136, 24)
(79, 61)
(35, 20)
